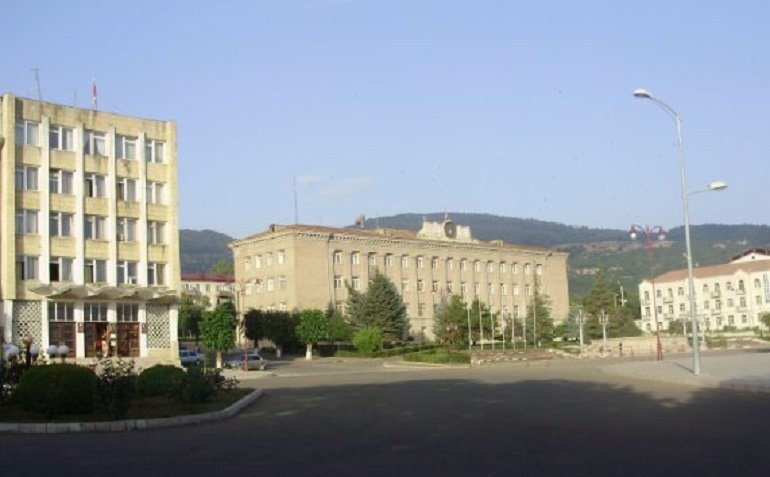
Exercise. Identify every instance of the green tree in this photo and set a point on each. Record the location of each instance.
(311, 329)
(367, 340)
(539, 318)
(381, 307)
(218, 329)
(338, 330)
(222, 266)
(190, 316)
(765, 319)
(450, 323)
(480, 321)
(276, 326)
(599, 299)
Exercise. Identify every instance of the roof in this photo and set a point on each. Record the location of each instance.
(207, 277)
(713, 271)
(377, 233)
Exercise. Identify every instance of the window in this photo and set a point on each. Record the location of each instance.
(405, 261)
(502, 267)
(420, 261)
(355, 258)
(527, 269)
(670, 293)
(60, 182)
(490, 267)
(718, 304)
(60, 269)
(716, 288)
(729, 286)
(125, 147)
(60, 224)
(450, 287)
(95, 271)
(463, 265)
(26, 267)
(94, 227)
(154, 150)
(156, 192)
(476, 266)
(450, 264)
(646, 295)
(61, 311)
(420, 309)
(60, 137)
(337, 257)
(514, 267)
(434, 263)
(742, 302)
(155, 275)
(504, 289)
(127, 312)
(355, 283)
(434, 286)
(95, 185)
(94, 143)
(463, 288)
(388, 260)
(405, 285)
(246, 263)
(476, 288)
(757, 283)
(373, 259)
(515, 290)
(281, 257)
(26, 221)
(741, 286)
(515, 311)
(258, 261)
(156, 232)
(705, 288)
(282, 282)
(28, 133)
(490, 289)
(126, 189)
(538, 269)
(26, 178)
(126, 229)
(670, 309)
(338, 283)
(647, 311)
(94, 312)
(729, 303)
(758, 300)
(420, 285)
(681, 307)
(706, 305)
(127, 272)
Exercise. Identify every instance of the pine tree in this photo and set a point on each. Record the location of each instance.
(380, 307)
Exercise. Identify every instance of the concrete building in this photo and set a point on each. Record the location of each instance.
(735, 294)
(303, 266)
(215, 288)
(89, 247)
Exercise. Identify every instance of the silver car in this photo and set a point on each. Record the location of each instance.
(254, 361)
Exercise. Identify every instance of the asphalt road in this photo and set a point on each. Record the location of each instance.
(342, 419)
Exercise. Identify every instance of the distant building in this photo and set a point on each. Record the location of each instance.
(89, 247)
(215, 288)
(304, 266)
(735, 294)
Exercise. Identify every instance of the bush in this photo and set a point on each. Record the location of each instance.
(115, 386)
(368, 340)
(159, 380)
(200, 384)
(57, 389)
(445, 356)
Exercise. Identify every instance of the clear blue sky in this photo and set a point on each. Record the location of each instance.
(515, 108)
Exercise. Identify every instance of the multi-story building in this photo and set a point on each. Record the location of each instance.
(89, 247)
(735, 295)
(208, 288)
(303, 266)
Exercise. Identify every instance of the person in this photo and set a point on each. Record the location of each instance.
(620, 348)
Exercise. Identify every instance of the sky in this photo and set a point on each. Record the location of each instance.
(514, 108)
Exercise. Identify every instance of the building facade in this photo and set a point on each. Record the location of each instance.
(208, 288)
(733, 295)
(302, 266)
(89, 235)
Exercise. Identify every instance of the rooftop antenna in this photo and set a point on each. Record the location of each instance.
(296, 206)
(36, 71)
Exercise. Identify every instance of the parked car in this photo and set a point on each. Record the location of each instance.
(254, 360)
(189, 358)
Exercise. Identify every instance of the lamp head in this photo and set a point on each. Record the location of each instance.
(717, 185)
(642, 93)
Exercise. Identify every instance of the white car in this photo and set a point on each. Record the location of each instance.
(190, 358)
(255, 361)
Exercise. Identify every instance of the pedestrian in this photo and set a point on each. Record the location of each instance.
(620, 348)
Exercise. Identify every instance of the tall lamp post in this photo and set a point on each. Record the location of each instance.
(650, 234)
(674, 115)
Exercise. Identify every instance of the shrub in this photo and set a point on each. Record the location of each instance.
(200, 384)
(115, 386)
(57, 389)
(368, 340)
(159, 380)
(439, 356)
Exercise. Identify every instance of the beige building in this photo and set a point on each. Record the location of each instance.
(303, 266)
(735, 294)
(89, 247)
(207, 287)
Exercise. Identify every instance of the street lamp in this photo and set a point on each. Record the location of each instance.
(674, 115)
(650, 234)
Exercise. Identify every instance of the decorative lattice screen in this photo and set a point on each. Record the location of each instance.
(158, 333)
(27, 320)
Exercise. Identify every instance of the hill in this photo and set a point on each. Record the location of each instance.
(200, 249)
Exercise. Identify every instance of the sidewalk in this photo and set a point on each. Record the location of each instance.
(748, 371)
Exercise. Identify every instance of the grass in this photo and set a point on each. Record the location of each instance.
(141, 408)
(439, 356)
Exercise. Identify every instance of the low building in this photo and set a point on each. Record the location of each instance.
(89, 235)
(305, 266)
(208, 288)
(732, 295)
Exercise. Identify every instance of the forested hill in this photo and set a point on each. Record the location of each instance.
(200, 249)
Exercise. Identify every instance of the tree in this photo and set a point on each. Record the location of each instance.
(450, 323)
(381, 307)
(276, 326)
(311, 329)
(765, 319)
(190, 316)
(539, 314)
(222, 266)
(218, 329)
(337, 328)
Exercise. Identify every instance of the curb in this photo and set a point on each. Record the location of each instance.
(128, 424)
